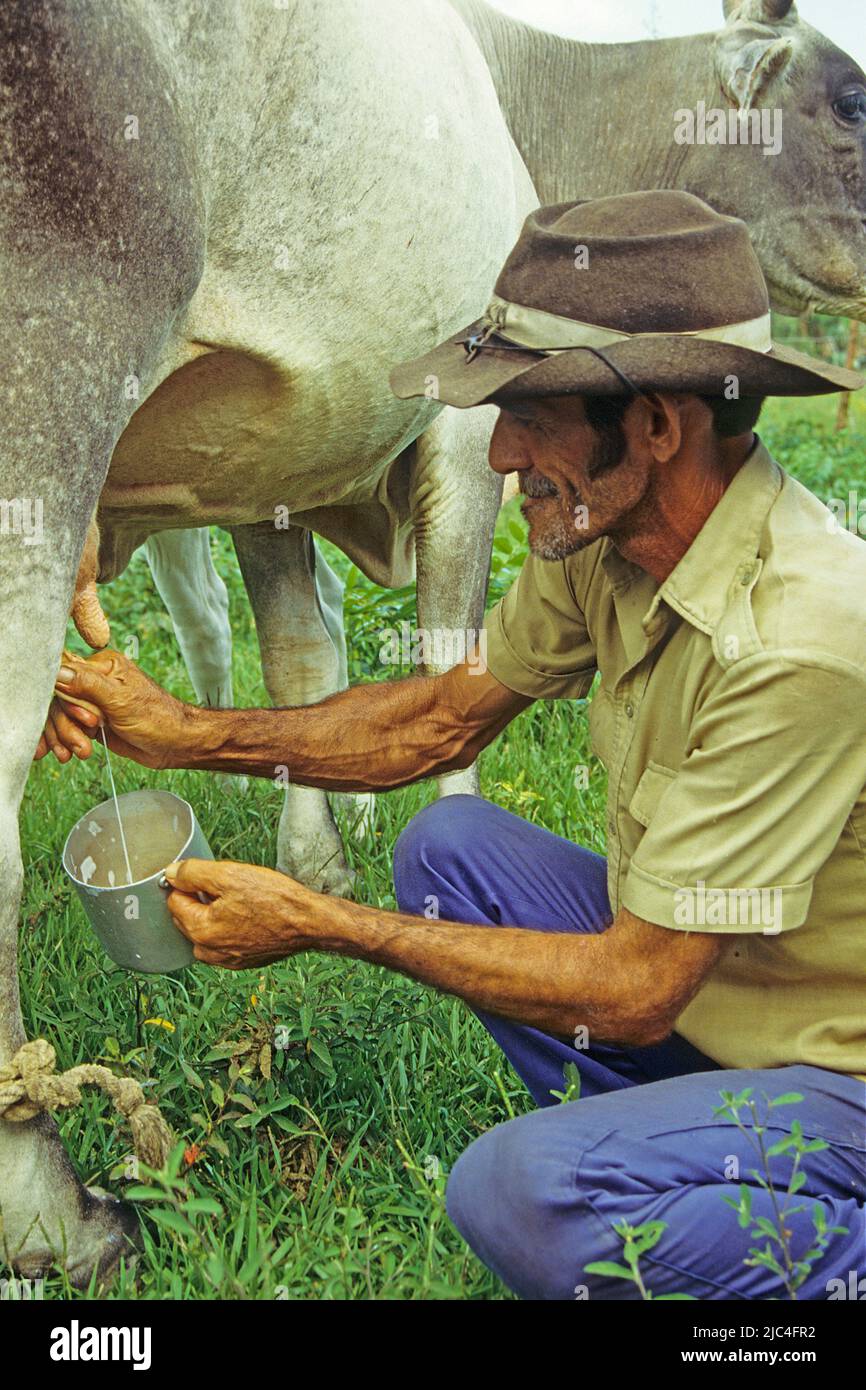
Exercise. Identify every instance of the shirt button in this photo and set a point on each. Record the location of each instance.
(629, 711)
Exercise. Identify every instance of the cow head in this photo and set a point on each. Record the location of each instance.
(806, 203)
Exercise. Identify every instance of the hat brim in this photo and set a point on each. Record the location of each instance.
(666, 362)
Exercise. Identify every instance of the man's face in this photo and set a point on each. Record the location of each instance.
(578, 483)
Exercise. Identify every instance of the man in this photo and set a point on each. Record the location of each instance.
(723, 944)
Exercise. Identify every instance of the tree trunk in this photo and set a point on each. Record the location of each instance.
(844, 410)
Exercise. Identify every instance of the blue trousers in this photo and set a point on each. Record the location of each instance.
(537, 1197)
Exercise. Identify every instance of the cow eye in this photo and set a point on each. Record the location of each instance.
(850, 107)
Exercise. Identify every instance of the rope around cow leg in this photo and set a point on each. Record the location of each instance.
(29, 1085)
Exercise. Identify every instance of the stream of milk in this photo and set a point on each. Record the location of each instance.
(116, 806)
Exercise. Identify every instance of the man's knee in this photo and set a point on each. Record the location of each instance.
(427, 846)
(516, 1205)
(470, 1200)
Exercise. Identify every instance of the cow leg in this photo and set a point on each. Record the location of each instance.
(46, 1216)
(298, 605)
(198, 604)
(455, 499)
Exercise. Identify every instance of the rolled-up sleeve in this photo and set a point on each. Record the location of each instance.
(537, 639)
(776, 760)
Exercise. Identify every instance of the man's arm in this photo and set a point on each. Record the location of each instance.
(626, 985)
(371, 737)
(368, 738)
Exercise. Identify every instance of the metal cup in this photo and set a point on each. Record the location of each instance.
(132, 920)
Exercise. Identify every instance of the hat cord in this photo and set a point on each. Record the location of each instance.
(478, 341)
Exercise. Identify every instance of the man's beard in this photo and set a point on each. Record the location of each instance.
(561, 534)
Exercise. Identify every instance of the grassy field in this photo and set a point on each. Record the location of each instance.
(315, 1169)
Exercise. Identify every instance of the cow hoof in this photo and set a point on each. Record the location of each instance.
(309, 847)
(335, 877)
(118, 1224)
(107, 1228)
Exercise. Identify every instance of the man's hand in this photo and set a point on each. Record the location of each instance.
(254, 917)
(141, 720)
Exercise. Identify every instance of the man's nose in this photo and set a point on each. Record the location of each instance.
(507, 452)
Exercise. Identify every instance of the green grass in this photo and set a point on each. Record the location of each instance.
(317, 1180)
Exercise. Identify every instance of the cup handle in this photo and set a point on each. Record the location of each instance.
(162, 882)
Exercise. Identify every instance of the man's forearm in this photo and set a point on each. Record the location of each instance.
(555, 981)
(370, 737)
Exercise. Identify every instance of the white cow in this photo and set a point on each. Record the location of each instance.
(220, 231)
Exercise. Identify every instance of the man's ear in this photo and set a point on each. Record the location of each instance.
(748, 59)
(657, 419)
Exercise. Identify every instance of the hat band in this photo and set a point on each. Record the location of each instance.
(552, 333)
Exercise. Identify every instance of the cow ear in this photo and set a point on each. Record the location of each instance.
(764, 11)
(747, 65)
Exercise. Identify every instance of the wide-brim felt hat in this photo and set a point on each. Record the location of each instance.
(651, 290)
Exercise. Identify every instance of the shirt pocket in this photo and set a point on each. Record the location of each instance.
(654, 782)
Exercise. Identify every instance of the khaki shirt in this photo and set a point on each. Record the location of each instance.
(731, 718)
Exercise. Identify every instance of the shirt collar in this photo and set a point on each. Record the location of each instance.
(725, 547)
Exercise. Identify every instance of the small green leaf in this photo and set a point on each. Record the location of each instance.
(172, 1221)
(789, 1098)
(285, 1125)
(206, 1206)
(249, 1121)
(765, 1227)
(222, 1052)
(608, 1268)
(319, 1048)
(781, 1146)
(192, 1076)
(649, 1236)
